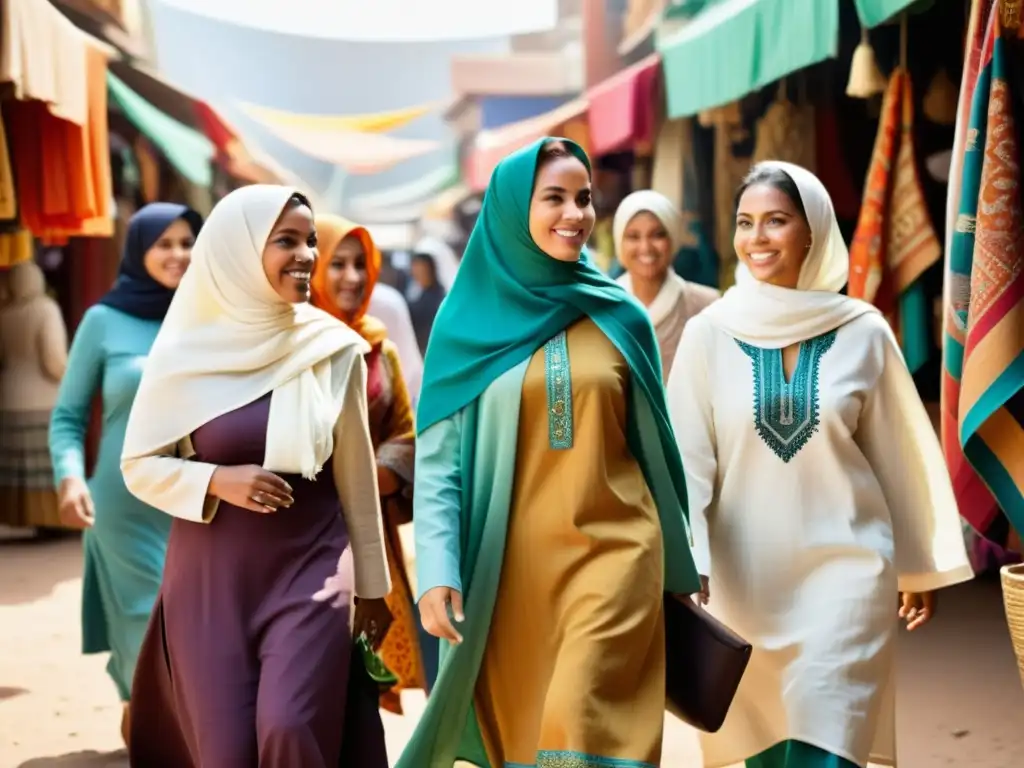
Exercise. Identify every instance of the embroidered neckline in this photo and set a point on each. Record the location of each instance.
(787, 413)
(559, 386)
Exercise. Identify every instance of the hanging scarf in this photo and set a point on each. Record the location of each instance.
(330, 231)
(136, 293)
(895, 242)
(509, 298)
(983, 371)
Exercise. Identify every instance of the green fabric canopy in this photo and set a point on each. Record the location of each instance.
(189, 151)
(724, 49)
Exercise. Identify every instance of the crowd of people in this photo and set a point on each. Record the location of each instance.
(571, 449)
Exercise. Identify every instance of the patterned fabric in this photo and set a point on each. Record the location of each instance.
(559, 384)
(392, 432)
(26, 474)
(786, 413)
(895, 241)
(548, 759)
(983, 377)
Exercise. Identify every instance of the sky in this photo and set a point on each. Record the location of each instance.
(382, 20)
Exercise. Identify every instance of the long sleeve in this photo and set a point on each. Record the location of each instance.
(689, 402)
(168, 480)
(437, 505)
(70, 418)
(398, 432)
(355, 474)
(899, 442)
(53, 342)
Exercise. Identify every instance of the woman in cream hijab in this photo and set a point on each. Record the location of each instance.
(249, 393)
(818, 492)
(648, 231)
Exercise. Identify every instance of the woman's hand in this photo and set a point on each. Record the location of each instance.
(434, 613)
(387, 481)
(251, 487)
(373, 619)
(75, 503)
(917, 608)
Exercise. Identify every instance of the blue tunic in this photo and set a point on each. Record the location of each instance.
(124, 550)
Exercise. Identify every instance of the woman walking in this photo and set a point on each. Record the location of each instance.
(250, 430)
(125, 539)
(549, 492)
(786, 390)
(648, 232)
(343, 281)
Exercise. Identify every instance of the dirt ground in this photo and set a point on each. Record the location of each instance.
(960, 700)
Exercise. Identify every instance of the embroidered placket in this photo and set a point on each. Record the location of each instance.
(559, 386)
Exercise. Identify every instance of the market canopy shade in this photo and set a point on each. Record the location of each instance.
(190, 152)
(875, 12)
(412, 196)
(733, 47)
(378, 122)
(623, 108)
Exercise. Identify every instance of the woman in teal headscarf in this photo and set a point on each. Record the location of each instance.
(550, 497)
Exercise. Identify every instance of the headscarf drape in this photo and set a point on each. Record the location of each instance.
(652, 202)
(229, 339)
(330, 231)
(136, 292)
(509, 298)
(771, 317)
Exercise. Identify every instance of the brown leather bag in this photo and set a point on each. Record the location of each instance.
(705, 663)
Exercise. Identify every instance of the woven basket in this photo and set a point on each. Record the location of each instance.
(1013, 600)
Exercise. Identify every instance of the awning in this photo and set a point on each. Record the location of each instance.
(491, 146)
(498, 111)
(189, 151)
(414, 196)
(875, 12)
(525, 73)
(623, 108)
(379, 122)
(356, 152)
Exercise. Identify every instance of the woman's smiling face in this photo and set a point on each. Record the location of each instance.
(561, 210)
(290, 253)
(772, 236)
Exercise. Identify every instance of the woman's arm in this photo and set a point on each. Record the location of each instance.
(437, 505)
(168, 480)
(70, 418)
(53, 342)
(688, 393)
(896, 436)
(355, 474)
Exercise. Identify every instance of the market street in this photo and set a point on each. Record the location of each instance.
(960, 695)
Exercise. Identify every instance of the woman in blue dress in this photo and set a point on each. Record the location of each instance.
(124, 539)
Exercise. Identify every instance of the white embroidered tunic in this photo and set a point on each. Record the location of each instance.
(812, 502)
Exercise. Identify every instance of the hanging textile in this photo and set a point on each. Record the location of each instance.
(983, 372)
(734, 148)
(787, 133)
(895, 241)
(16, 247)
(63, 169)
(8, 194)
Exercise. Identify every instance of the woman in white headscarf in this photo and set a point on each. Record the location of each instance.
(820, 503)
(248, 394)
(648, 232)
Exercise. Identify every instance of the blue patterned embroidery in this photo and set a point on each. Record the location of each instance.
(559, 385)
(786, 414)
(567, 759)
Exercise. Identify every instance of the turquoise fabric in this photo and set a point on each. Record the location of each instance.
(797, 754)
(124, 550)
(509, 297)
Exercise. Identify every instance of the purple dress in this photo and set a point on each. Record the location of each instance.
(240, 667)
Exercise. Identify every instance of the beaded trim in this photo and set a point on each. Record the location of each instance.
(786, 414)
(559, 386)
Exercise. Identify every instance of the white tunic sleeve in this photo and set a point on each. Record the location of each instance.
(689, 405)
(168, 480)
(898, 440)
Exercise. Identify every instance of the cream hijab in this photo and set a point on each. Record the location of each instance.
(228, 339)
(771, 317)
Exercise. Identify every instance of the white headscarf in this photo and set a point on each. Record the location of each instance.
(228, 339)
(390, 307)
(647, 200)
(771, 317)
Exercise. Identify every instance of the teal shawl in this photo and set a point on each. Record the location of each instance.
(509, 298)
